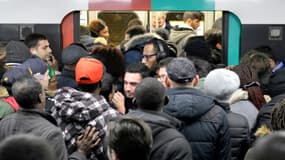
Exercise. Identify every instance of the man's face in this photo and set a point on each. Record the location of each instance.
(195, 23)
(158, 22)
(149, 56)
(42, 50)
(130, 82)
(162, 76)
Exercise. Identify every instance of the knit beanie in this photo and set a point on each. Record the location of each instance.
(221, 83)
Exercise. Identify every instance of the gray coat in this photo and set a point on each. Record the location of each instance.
(33, 121)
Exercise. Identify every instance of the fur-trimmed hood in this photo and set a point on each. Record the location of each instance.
(140, 40)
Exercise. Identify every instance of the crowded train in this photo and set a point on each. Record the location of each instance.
(142, 80)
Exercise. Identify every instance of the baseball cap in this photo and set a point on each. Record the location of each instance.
(88, 71)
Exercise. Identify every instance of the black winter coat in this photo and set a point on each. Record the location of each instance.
(239, 130)
(168, 142)
(206, 124)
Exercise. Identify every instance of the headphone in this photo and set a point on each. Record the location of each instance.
(161, 52)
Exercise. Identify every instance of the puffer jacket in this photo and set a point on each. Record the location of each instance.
(239, 131)
(206, 124)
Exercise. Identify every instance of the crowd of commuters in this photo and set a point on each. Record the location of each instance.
(164, 95)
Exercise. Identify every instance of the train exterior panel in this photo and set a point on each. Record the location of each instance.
(250, 22)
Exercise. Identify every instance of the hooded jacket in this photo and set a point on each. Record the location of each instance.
(206, 125)
(75, 110)
(179, 37)
(168, 143)
(134, 47)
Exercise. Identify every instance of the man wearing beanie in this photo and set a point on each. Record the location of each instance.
(168, 143)
(205, 124)
(75, 109)
(239, 127)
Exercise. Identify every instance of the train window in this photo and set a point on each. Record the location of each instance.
(117, 21)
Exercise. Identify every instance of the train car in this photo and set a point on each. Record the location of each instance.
(246, 23)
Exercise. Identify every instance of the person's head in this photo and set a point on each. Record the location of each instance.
(249, 82)
(38, 45)
(257, 60)
(128, 139)
(25, 147)
(193, 19)
(133, 75)
(29, 93)
(197, 47)
(153, 52)
(158, 19)
(112, 58)
(88, 74)
(181, 72)
(98, 28)
(214, 38)
(221, 84)
(71, 54)
(134, 30)
(278, 116)
(162, 32)
(269, 147)
(161, 71)
(134, 22)
(39, 69)
(17, 52)
(150, 94)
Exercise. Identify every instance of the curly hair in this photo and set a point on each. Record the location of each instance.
(278, 115)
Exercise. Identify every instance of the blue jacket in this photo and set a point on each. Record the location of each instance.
(205, 124)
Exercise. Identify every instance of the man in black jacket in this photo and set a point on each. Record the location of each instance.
(168, 143)
(206, 125)
(239, 128)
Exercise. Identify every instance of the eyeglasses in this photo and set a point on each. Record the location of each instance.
(147, 57)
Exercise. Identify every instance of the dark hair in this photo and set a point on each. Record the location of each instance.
(269, 147)
(84, 30)
(165, 62)
(140, 68)
(135, 30)
(258, 61)
(32, 40)
(26, 91)
(213, 37)
(150, 94)
(162, 32)
(112, 58)
(25, 147)
(95, 26)
(134, 22)
(193, 15)
(278, 115)
(130, 138)
(250, 83)
(90, 88)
